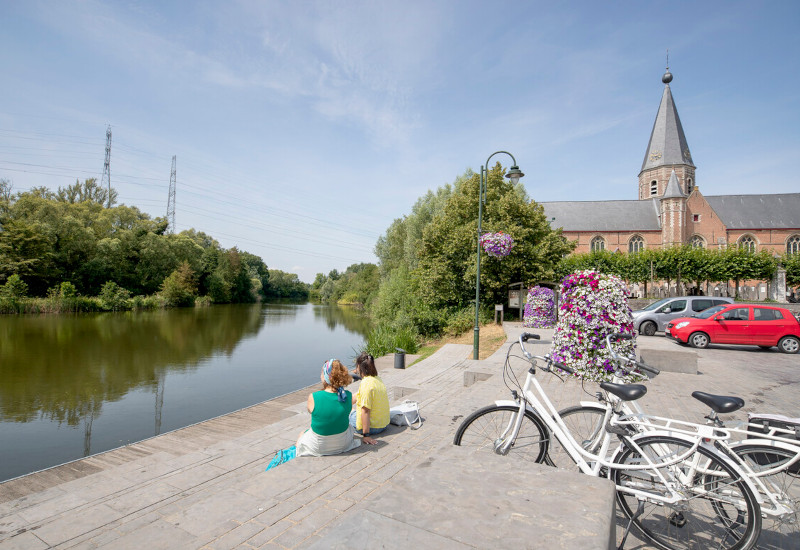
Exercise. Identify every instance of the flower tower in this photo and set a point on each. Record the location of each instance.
(540, 308)
(592, 306)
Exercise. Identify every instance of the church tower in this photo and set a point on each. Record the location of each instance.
(667, 152)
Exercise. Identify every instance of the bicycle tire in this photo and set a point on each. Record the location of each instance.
(482, 429)
(584, 424)
(777, 531)
(706, 518)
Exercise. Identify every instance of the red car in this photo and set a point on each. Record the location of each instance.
(762, 326)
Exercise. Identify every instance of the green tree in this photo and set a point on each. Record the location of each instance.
(113, 297)
(14, 288)
(179, 289)
(446, 269)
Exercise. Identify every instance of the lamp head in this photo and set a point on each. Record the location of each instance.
(514, 174)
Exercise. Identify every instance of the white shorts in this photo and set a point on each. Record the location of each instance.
(312, 444)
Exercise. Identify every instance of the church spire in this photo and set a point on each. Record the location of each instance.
(667, 144)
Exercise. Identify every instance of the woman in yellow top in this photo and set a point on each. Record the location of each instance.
(370, 414)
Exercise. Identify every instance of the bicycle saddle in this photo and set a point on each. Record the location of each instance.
(626, 392)
(719, 403)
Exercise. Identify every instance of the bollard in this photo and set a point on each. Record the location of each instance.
(400, 358)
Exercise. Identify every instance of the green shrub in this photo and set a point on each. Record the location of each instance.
(114, 298)
(13, 288)
(460, 322)
(67, 290)
(179, 289)
(384, 339)
(147, 302)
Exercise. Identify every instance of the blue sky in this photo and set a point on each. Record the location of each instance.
(302, 129)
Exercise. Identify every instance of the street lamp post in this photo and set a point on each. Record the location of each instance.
(514, 174)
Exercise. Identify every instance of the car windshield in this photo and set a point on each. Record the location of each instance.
(656, 305)
(706, 313)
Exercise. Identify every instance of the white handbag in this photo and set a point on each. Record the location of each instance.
(406, 414)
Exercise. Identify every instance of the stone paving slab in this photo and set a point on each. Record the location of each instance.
(207, 489)
(455, 499)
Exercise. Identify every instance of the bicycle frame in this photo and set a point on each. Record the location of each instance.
(535, 398)
(771, 500)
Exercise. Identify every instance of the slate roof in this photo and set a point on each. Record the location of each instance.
(603, 216)
(778, 211)
(673, 190)
(667, 144)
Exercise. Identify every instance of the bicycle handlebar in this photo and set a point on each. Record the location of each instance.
(619, 360)
(524, 337)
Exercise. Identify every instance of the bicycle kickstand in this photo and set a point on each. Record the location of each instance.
(639, 512)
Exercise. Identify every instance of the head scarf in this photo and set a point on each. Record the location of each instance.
(326, 372)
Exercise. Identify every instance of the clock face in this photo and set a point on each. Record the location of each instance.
(655, 155)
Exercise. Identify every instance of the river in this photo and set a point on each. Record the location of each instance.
(75, 385)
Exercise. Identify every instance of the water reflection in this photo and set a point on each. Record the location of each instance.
(65, 367)
(352, 318)
(75, 385)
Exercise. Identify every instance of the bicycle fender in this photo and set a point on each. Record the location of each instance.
(708, 446)
(592, 405)
(766, 443)
(509, 403)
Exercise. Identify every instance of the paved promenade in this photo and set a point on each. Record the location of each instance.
(205, 487)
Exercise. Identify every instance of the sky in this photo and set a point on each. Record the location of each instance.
(302, 129)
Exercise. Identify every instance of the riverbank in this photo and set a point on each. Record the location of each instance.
(205, 486)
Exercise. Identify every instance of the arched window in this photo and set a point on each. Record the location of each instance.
(636, 244)
(698, 242)
(653, 187)
(689, 185)
(748, 242)
(598, 243)
(793, 245)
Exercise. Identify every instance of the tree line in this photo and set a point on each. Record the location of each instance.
(698, 267)
(76, 242)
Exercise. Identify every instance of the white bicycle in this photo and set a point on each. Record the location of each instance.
(674, 485)
(767, 454)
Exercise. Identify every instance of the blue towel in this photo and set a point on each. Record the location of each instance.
(284, 455)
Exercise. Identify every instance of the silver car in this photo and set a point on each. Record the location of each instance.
(656, 316)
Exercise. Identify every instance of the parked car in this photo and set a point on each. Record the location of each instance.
(762, 326)
(656, 316)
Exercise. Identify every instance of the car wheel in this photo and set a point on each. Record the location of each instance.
(789, 344)
(648, 328)
(699, 340)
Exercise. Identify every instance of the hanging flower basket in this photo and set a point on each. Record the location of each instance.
(497, 245)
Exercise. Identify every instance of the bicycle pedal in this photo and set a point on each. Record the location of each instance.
(677, 519)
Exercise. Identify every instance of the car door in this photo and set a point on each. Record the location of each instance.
(669, 311)
(767, 327)
(732, 326)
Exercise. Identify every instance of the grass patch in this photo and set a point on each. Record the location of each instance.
(491, 339)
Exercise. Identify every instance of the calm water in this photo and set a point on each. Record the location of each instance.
(71, 386)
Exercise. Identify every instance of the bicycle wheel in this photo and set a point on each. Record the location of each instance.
(777, 531)
(486, 430)
(718, 509)
(586, 426)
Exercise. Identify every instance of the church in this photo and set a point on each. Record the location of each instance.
(670, 210)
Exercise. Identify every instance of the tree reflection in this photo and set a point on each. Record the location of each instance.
(64, 368)
(351, 318)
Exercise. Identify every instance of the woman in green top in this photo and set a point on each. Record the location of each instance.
(330, 407)
(371, 412)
